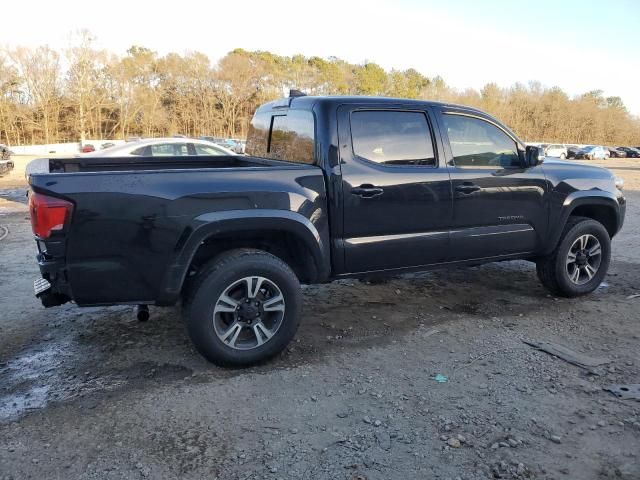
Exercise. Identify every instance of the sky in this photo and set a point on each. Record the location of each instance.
(576, 45)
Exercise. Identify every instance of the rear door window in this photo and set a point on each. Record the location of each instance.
(392, 137)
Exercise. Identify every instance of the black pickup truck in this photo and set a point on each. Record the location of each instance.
(331, 187)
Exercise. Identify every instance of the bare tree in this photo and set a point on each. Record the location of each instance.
(83, 79)
(39, 70)
(142, 93)
(238, 84)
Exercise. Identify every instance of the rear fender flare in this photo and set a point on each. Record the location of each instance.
(216, 223)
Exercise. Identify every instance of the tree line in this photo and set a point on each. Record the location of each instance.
(49, 96)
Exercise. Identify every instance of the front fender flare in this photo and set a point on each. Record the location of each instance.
(573, 201)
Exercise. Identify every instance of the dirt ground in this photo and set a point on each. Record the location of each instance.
(95, 394)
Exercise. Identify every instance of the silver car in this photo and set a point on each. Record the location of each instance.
(556, 150)
(162, 147)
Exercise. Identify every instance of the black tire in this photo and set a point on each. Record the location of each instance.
(552, 269)
(206, 289)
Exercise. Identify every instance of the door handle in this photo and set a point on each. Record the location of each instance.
(367, 191)
(467, 188)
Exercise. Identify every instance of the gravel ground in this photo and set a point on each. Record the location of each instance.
(94, 394)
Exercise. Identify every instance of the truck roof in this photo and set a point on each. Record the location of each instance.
(307, 102)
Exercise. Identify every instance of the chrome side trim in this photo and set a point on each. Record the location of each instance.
(388, 238)
(491, 230)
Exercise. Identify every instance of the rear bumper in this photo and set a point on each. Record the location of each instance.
(53, 271)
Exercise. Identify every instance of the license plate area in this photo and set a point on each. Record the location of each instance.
(40, 286)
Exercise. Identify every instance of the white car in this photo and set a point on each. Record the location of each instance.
(556, 150)
(162, 147)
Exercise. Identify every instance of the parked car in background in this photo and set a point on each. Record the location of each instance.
(592, 152)
(631, 152)
(163, 147)
(5, 166)
(212, 139)
(615, 152)
(556, 150)
(240, 147)
(5, 153)
(228, 143)
(232, 144)
(87, 148)
(572, 150)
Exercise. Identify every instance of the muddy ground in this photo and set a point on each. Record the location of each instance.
(95, 394)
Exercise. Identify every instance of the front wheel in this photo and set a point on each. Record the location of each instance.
(580, 261)
(243, 308)
(562, 156)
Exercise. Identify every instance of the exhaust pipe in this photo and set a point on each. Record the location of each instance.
(142, 313)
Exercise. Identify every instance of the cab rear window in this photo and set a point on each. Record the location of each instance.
(287, 136)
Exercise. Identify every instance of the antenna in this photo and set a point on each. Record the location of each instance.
(294, 92)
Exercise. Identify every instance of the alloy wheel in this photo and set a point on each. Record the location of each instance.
(583, 259)
(248, 313)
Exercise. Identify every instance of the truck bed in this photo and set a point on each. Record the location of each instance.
(138, 222)
(114, 164)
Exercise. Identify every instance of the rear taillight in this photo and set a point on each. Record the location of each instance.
(48, 214)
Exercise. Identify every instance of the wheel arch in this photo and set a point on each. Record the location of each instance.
(598, 205)
(287, 235)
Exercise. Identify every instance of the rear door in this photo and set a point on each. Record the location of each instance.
(499, 205)
(397, 195)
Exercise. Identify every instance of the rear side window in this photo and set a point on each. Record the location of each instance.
(169, 149)
(289, 136)
(476, 143)
(206, 150)
(392, 137)
(141, 151)
(258, 135)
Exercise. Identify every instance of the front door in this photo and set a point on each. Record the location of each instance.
(396, 194)
(499, 205)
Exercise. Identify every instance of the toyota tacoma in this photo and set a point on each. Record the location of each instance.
(331, 187)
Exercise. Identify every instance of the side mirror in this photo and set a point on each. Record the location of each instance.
(534, 156)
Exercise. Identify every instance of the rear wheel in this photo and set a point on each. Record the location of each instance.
(580, 261)
(562, 156)
(243, 308)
